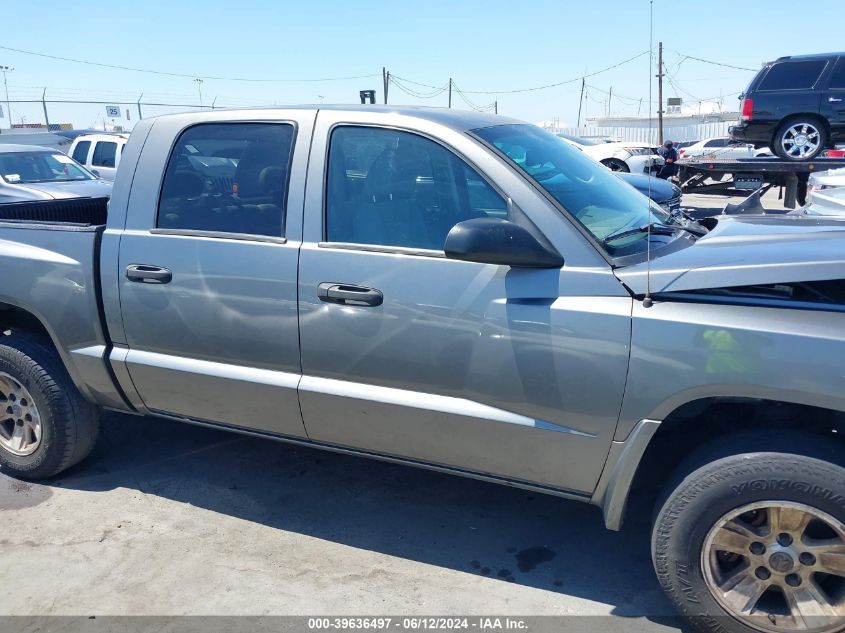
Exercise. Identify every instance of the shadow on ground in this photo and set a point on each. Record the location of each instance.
(475, 527)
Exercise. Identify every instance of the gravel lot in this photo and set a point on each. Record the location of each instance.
(170, 519)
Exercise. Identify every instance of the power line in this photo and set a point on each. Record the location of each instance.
(394, 80)
(707, 61)
(185, 75)
(535, 88)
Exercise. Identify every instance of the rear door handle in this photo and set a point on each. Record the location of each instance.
(833, 99)
(148, 274)
(347, 294)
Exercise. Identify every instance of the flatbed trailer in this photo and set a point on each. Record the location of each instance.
(699, 175)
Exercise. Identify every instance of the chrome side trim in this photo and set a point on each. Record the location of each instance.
(611, 492)
(211, 368)
(426, 401)
(335, 448)
(95, 351)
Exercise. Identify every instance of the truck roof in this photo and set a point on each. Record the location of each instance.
(460, 120)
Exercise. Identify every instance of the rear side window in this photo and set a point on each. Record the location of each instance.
(105, 154)
(838, 79)
(717, 142)
(798, 75)
(228, 178)
(80, 152)
(392, 188)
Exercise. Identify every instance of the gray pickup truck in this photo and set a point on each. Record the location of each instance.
(461, 292)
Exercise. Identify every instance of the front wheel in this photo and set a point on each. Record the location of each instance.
(756, 543)
(800, 139)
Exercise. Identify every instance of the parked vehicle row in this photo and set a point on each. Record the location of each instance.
(463, 292)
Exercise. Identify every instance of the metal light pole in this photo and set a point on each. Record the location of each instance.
(4, 70)
(198, 82)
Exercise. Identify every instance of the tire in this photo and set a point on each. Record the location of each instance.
(798, 128)
(614, 164)
(797, 473)
(67, 424)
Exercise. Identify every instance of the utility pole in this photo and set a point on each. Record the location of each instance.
(660, 92)
(496, 107)
(450, 92)
(581, 101)
(198, 82)
(385, 77)
(140, 116)
(609, 99)
(4, 70)
(44, 104)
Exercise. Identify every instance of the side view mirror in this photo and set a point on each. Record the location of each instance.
(497, 241)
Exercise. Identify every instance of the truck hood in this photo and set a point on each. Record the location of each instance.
(59, 190)
(747, 250)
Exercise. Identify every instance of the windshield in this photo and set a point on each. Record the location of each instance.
(601, 202)
(31, 167)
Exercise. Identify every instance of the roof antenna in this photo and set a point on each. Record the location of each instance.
(647, 302)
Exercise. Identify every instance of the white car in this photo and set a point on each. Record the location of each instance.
(828, 203)
(637, 158)
(718, 148)
(99, 153)
(822, 181)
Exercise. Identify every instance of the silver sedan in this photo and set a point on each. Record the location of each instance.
(29, 172)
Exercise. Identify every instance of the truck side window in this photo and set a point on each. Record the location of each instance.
(392, 188)
(105, 153)
(80, 152)
(228, 178)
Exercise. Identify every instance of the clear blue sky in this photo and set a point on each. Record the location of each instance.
(483, 44)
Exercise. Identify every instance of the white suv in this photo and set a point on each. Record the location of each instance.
(100, 153)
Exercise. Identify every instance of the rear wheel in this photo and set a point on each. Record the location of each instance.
(614, 164)
(800, 139)
(46, 425)
(755, 542)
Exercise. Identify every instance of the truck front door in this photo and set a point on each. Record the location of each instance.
(515, 373)
(207, 269)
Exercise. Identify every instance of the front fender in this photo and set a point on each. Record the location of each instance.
(682, 352)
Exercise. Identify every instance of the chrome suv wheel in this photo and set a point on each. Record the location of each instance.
(800, 139)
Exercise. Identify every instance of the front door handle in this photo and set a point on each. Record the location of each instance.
(148, 274)
(347, 294)
(833, 99)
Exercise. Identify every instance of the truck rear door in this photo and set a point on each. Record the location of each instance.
(207, 269)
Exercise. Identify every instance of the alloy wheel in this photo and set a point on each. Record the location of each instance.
(801, 140)
(20, 423)
(778, 566)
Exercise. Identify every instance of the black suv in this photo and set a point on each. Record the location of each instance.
(795, 105)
